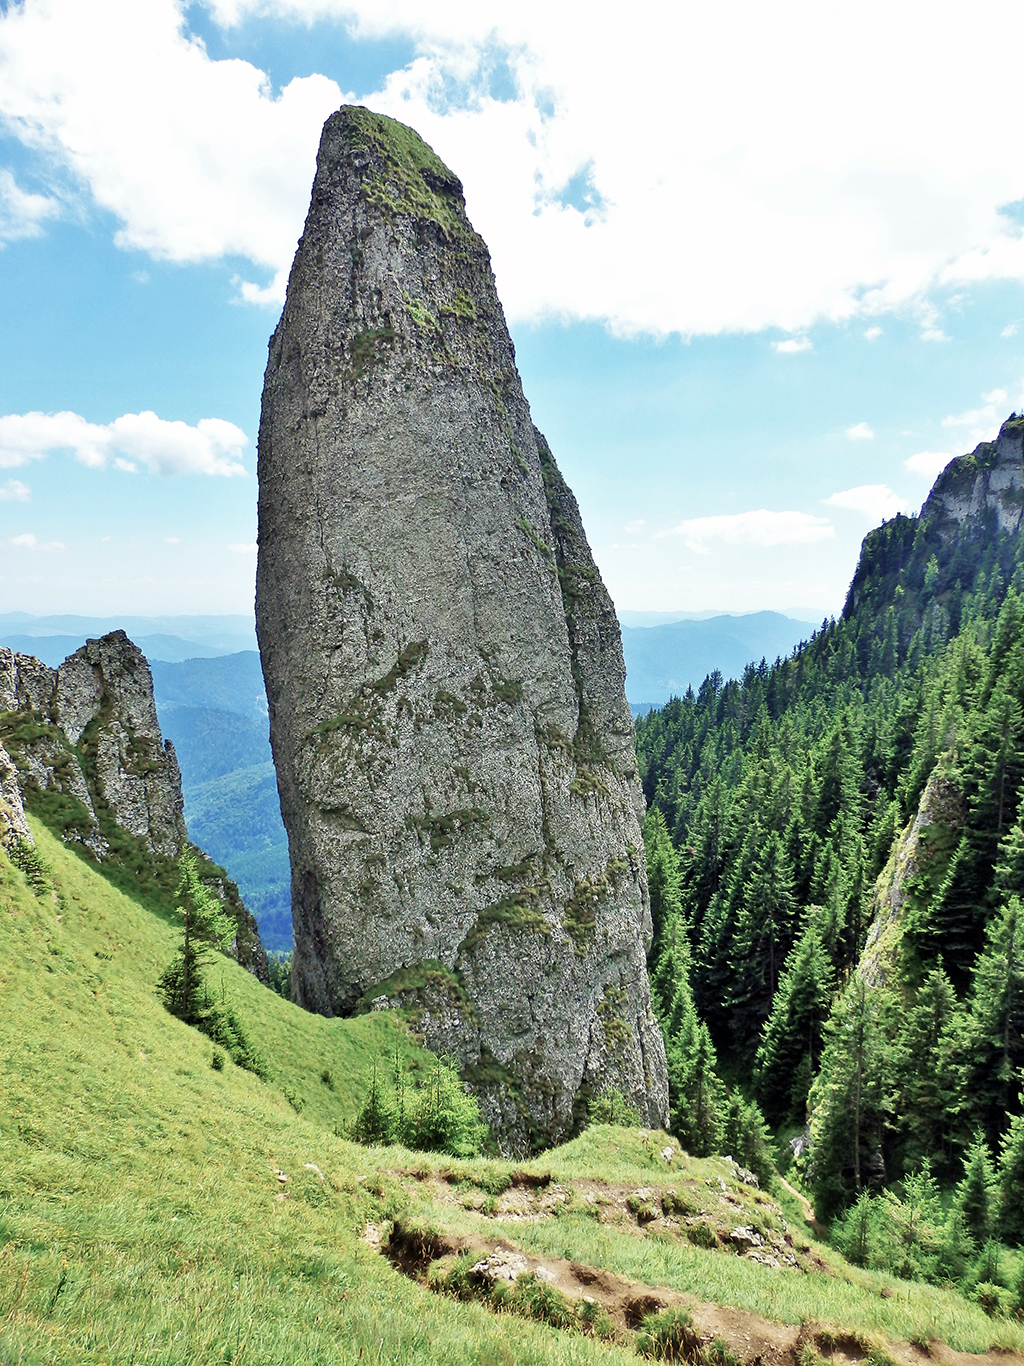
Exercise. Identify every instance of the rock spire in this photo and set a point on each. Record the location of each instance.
(454, 750)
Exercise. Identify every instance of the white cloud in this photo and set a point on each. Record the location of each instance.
(929, 463)
(196, 158)
(758, 217)
(22, 214)
(934, 334)
(872, 334)
(983, 423)
(245, 548)
(173, 540)
(860, 431)
(1010, 330)
(793, 345)
(27, 541)
(212, 446)
(14, 491)
(753, 528)
(876, 501)
(633, 527)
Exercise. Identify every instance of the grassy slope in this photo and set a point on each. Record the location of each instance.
(141, 1218)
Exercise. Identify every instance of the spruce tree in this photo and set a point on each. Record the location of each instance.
(848, 1101)
(1011, 1181)
(790, 1048)
(976, 1195)
(206, 928)
(762, 939)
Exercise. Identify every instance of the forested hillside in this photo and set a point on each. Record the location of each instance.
(215, 711)
(836, 849)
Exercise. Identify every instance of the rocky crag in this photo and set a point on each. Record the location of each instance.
(84, 752)
(454, 751)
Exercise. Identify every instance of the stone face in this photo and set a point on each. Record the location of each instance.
(988, 483)
(915, 851)
(84, 739)
(13, 824)
(107, 685)
(444, 671)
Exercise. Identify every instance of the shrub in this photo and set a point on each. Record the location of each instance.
(669, 1336)
(612, 1107)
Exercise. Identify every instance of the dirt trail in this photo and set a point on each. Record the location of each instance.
(808, 1209)
(756, 1341)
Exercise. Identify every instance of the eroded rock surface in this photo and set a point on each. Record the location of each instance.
(444, 671)
(84, 744)
(987, 484)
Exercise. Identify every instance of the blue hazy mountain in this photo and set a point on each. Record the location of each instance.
(211, 703)
(662, 661)
(215, 711)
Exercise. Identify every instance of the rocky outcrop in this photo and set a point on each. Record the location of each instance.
(919, 857)
(13, 823)
(444, 672)
(987, 483)
(85, 747)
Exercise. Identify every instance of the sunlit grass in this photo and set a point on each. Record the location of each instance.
(142, 1218)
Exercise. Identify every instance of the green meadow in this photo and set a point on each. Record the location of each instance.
(144, 1210)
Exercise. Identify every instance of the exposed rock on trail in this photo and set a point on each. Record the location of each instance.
(444, 671)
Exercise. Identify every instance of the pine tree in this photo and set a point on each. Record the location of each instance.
(762, 939)
(206, 928)
(847, 1100)
(929, 1057)
(997, 1017)
(1011, 1181)
(790, 1048)
(976, 1195)
(663, 874)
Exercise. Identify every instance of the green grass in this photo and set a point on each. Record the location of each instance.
(141, 1218)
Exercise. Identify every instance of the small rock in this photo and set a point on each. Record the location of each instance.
(499, 1266)
(746, 1237)
(668, 1153)
(543, 1274)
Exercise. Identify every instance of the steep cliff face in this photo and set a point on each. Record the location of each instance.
(987, 483)
(443, 665)
(13, 824)
(917, 861)
(85, 745)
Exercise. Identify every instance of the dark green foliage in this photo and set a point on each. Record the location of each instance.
(785, 795)
(207, 928)
(279, 969)
(25, 856)
(747, 1138)
(787, 1058)
(1011, 1182)
(437, 1116)
(612, 1107)
(976, 1193)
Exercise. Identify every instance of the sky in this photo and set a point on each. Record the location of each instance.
(763, 267)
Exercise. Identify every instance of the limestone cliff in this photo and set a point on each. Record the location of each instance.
(988, 483)
(917, 861)
(90, 760)
(444, 672)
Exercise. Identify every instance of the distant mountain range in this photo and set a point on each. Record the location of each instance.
(662, 661)
(215, 711)
(210, 699)
(52, 639)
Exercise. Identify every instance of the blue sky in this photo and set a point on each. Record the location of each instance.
(746, 285)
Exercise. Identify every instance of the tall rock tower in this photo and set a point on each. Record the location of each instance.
(454, 750)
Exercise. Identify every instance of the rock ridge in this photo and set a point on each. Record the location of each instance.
(444, 672)
(87, 755)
